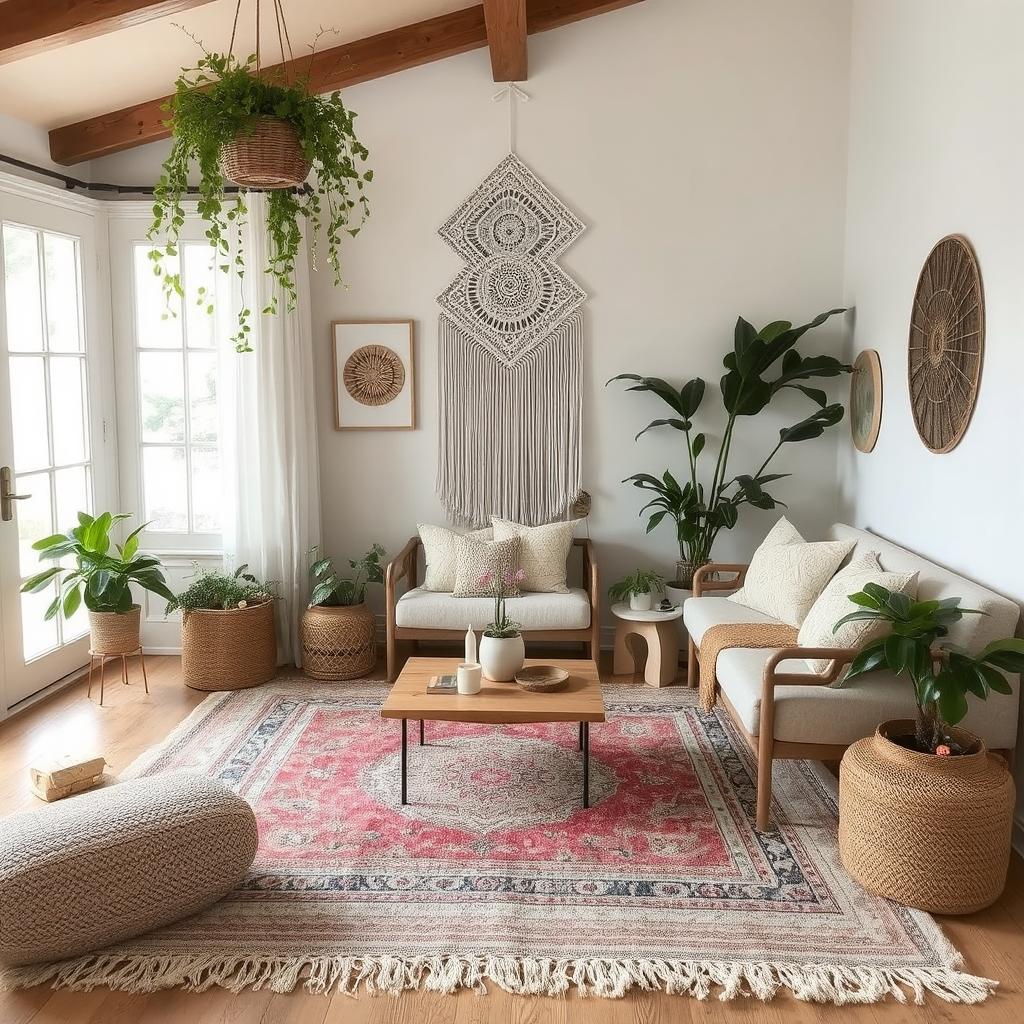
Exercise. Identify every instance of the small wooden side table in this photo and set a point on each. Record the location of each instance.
(660, 630)
(93, 655)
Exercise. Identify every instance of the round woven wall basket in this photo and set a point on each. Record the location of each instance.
(229, 649)
(114, 632)
(338, 643)
(925, 831)
(271, 157)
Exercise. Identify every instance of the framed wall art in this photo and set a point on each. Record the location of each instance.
(374, 375)
(866, 399)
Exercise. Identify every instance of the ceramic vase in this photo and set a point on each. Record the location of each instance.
(641, 602)
(501, 657)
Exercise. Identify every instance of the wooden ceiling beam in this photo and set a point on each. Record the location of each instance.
(506, 39)
(340, 66)
(33, 26)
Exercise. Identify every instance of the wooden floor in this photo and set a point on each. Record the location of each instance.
(992, 941)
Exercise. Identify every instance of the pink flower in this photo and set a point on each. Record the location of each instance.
(942, 750)
(486, 579)
(520, 575)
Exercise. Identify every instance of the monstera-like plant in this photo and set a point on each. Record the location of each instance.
(762, 364)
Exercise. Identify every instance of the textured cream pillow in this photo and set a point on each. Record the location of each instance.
(834, 602)
(440, 555)
(481, 562)
(786, 574)
(544, 552)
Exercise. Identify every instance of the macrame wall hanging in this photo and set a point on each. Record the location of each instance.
(510, 353)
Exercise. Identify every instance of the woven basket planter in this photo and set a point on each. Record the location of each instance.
(338, 643)
(114, 632)
(270, 157)
(229, 649)
(925, 831)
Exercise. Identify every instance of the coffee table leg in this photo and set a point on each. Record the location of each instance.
(421, 733)
(585, 733)
(405, 761)
(581, 735)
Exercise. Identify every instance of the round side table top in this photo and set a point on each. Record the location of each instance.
(623, 611)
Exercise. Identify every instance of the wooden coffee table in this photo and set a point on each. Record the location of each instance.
(580, 700)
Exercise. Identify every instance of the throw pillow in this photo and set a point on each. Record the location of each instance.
(834, 602)
(544, 552)
(440, 555)
(481, 562)
(787, 574)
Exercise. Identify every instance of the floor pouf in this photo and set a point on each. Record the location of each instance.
(104, 866)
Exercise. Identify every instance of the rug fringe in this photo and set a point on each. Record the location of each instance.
(610, 979)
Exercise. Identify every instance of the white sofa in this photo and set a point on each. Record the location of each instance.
(784, 709)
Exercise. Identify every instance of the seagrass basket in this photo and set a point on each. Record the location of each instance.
(338, 643)
(228, 649)
(114, 632)
(270, 157)
(925, 831)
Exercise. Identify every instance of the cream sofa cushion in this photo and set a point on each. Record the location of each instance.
(422, 609)
(544, 552)
(440, 554)
(483, 565)
(701, 613)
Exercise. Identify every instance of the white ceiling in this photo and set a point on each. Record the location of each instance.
(105, 73)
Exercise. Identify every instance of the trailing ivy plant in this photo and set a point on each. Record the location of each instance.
(215, 102)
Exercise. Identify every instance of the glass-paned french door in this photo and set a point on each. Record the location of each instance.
(52, 421)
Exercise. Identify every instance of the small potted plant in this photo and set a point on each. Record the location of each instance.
(502, 650)
(925, 812)
(99, 580)
(339, 632)
(228, 635)
(638, 589)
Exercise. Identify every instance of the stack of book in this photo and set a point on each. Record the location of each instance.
(54, 778)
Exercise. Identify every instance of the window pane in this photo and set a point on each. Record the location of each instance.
(163, 396)
(206, 490)
(28, 413)
(60, 256)
(200, 286)
(75, 627)
(21, 279)
(34, 520)
(73, 496)
(157, 324)
(37, 636)
(202, 396)
(163, 476)
(67, 400)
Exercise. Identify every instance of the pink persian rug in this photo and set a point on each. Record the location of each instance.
(494, 871)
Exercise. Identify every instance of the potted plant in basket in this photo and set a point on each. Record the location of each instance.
(228, 636)
(502, 650)
(338, 629)
(638, 589)
(925, 812)
(100, 580)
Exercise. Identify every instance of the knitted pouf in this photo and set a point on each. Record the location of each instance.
(926, 831)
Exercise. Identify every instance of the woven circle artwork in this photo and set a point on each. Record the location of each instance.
(947, 342)
(374, 375)
(866, 400)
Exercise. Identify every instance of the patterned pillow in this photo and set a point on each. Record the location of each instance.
(480, 562)
(439, 553)
(545, 551)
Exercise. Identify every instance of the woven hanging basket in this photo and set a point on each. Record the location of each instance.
(270, 157)
(114, 632)
(338, 643)
(926, 831)
(229, 649)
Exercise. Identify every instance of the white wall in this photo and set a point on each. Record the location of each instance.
(31, 143)
(936, 146)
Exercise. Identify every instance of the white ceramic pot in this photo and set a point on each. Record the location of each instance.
(501, 657)
(677, 595)
(641, 602)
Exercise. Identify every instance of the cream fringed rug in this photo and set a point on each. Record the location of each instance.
(495, 873)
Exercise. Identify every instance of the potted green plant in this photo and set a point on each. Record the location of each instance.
(339, 631)
(231, 119)
(925, 812)
(228, 635)
(638, 589)
(762, 364)
(502, 648)
(100, 579)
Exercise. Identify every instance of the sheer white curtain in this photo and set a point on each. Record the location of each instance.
(270, 469)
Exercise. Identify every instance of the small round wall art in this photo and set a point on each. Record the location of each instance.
(866, 400)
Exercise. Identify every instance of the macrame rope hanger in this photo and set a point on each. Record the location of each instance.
(511, 93)
(283, 39)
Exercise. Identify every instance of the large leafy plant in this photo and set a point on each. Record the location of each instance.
(220, 99)
(762, 364)
(333, 590)
(100, 578)
(942, 674)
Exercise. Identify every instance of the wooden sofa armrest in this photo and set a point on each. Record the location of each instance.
(401, 567)
(838, 657)
(592, 585)
(702, 583)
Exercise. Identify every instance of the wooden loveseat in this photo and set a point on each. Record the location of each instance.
(417, 614)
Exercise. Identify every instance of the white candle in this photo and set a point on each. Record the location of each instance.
(470, 646)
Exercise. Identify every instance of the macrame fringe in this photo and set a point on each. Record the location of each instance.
(509, 442)
(520, 975)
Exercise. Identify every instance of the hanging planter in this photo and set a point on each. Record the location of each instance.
(261, 129)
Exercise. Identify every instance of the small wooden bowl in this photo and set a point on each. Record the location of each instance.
(542, 678)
